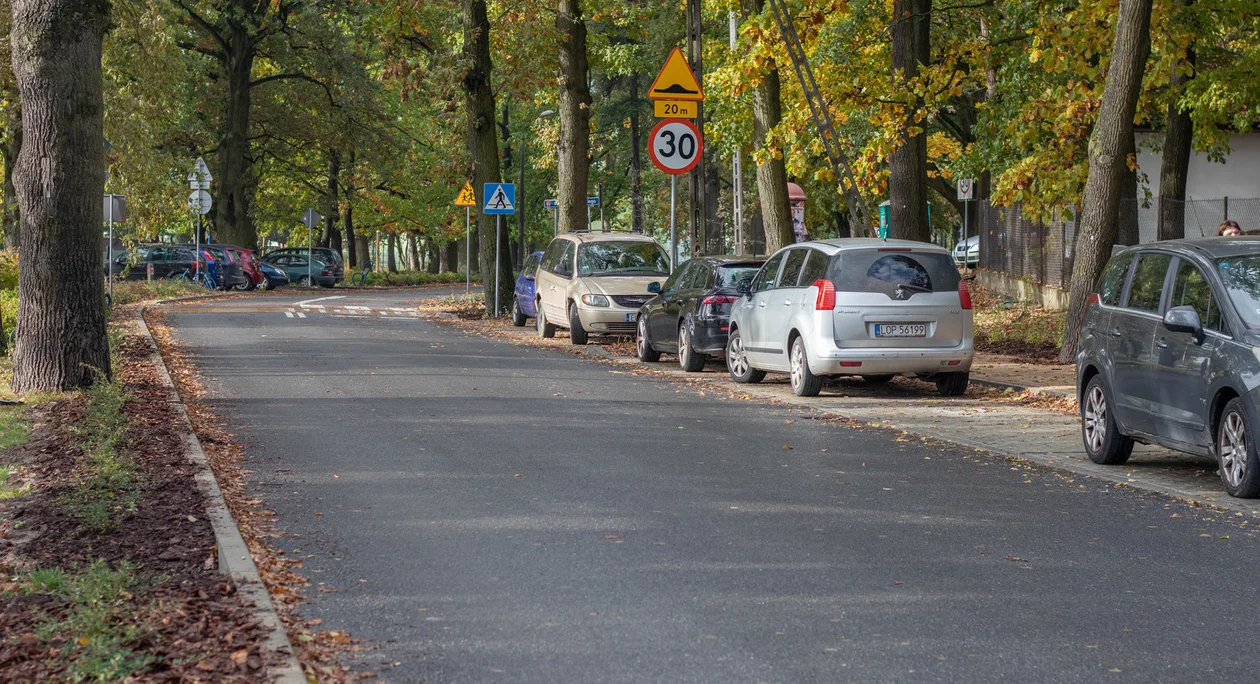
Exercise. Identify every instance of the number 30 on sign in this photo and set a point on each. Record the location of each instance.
(675, 146)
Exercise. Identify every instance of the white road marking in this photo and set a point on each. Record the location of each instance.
(319, 299)
(289, 314)
(301, 315)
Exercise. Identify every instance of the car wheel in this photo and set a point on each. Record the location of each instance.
(545, 329)
(577, 334)
(1235, 453)
(643, 345)
(688, 359)
(804, 382)
(1103, 441)
(266, 283)
(737, 361)
(245, 286)
(304, 281)
(518, 316)
(952, 384)
(877, 379)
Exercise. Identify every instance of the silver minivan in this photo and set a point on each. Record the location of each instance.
(854, 306)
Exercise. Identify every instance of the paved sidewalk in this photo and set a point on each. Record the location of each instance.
(996, 369)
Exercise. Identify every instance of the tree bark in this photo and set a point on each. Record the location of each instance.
(391, 249)
(59, 180)
(907, 166)
(439, 258)
(772, 193)
(333, 199)
(232, 221)
(1127, 232)
(12, 148)
(638, 221)
(416, 264)
(1101, 203)
(452, 254)
(574, 148)
(357, 253)
(1175, 167)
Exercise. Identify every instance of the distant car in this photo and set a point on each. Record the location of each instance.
(327, 255)
(596, 282)
(1169, 354)
(272, 276)
(168, 261)
(302, 271)
(854, 306)
(967, 252)
(523, 304)
(229, 272)
(249, 267)
(691, 315)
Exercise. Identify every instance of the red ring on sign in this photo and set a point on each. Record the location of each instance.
(652, 148)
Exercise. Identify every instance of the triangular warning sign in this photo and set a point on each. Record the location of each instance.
(466, 197)
(676, 81)
(499, 200)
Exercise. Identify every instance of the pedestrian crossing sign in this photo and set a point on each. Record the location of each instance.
(500, 199)
(466, 197)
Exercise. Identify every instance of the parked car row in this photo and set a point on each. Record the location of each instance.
(850, 307)
(233, 267)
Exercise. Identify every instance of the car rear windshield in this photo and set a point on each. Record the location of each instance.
(613, 258)
(736, 276)
(1241, 275)
(885, 271)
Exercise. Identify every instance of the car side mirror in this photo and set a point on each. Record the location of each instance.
(1185, 319)
(529, 276)
(654, 287)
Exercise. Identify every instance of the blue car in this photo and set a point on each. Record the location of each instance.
(272, 276)
(523, 307)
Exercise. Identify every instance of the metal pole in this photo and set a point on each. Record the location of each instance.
(602, 226)
(555, 215)
(467, 250)
(498, 237)
(197, 240)
(966, 212)
(520, 202)
(110, 248)
(673, 222)
(310, 254)
(737, 164)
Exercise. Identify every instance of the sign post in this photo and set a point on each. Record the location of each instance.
(115, 212)
(310, 219)
(200, 201)
(467, 199)
(966, 193)
(676, 145)
(500, 201)
(554, 206)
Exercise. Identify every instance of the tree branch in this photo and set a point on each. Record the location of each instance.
(301, 77)
(205, 25)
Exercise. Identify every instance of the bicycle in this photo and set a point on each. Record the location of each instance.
(199, 278)
(361, 276)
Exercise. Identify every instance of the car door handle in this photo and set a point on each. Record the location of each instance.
(761, 304)
(1115, 332)
(1162, 343)
(787, 302)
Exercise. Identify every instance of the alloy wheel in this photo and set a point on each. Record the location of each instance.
(1095, 419)
(684, 346)
(641, 341)
(798, 364)
(1234, 449)
(735, 356)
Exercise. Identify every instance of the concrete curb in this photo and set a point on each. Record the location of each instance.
(235, 560)
(1019, 388)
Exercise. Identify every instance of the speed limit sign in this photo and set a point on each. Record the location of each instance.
(675, 146)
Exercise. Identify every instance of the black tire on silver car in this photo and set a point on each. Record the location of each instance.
(737, 361)
(1236, 452)
(577, 334)
(545, 329)
(643, 345)
(688, 359)
(518, 316)
(952, 384)
(1103, 441)
(804, 382)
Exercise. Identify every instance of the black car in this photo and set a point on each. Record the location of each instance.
(691, 315)
(327, 255)
(228, 270)
(168, 261)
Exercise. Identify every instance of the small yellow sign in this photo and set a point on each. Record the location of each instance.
(676, 81)
(466, 197)
(666, 109)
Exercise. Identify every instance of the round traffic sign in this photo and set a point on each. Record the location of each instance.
(200, 201)
(675, 146)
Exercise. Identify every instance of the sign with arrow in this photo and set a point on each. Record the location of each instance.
(676, 81)
(466, 197)
(500, 199)
(311, 218)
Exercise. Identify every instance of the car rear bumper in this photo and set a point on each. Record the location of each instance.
(709, 336)
(828, 359)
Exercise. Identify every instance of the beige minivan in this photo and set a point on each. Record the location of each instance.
(596, 282)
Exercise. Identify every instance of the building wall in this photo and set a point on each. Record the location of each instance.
(1238, 177)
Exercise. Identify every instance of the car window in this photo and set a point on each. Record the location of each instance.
(1112, 283)
(531, 265)
(678, 281)
(612, 258)
(878, 270)
(815, 268)
(1147, 287)
(1241, 275)
(766, 277)
(699, 278)
(564, 267)
(1192, 289)
(792, 267)
(735, 276)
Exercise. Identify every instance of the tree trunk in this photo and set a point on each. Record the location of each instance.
(1127, 232)
(451, 254)
(1101, 203)
(907, 166)
(772, 194)
(637, 218)
(439, 258)
(60, 179)
(12, 148)
(574, 148)
(1177, 152)
(232, 221)
(391, 249)
(333, 198)
(416, 264)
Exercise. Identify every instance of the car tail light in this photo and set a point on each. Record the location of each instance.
(826, 295)
(850, 364)
(1092, 299)
(964, 294)
(324, 272)
(720, 299)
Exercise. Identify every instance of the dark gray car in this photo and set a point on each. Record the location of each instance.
(1169, 354)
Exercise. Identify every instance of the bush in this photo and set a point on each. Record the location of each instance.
(385, 278)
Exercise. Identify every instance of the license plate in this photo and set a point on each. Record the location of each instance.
(632, 317)
(900, 330)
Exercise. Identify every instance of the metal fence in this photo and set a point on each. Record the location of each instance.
(1041, 251)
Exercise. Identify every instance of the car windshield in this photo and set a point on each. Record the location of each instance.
(1241, 275)
(615, 258)
(736, 276)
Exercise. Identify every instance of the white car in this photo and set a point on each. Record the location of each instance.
(967, 252)
(867, 307)
(596, 282)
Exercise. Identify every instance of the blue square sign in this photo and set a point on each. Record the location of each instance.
(500, 199)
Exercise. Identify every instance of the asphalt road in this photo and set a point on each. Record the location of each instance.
(484, 511)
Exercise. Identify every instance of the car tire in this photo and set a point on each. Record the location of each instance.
(688, 359)
(952, 384)
(804, 382)
(877, 379)
(577, 334)
(304, 281)
(518, 316)
(737, 361)
(245, 286)
(1099, 431)
(545, 329)
(266, 283)
(1236, 452)
(643, 344)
